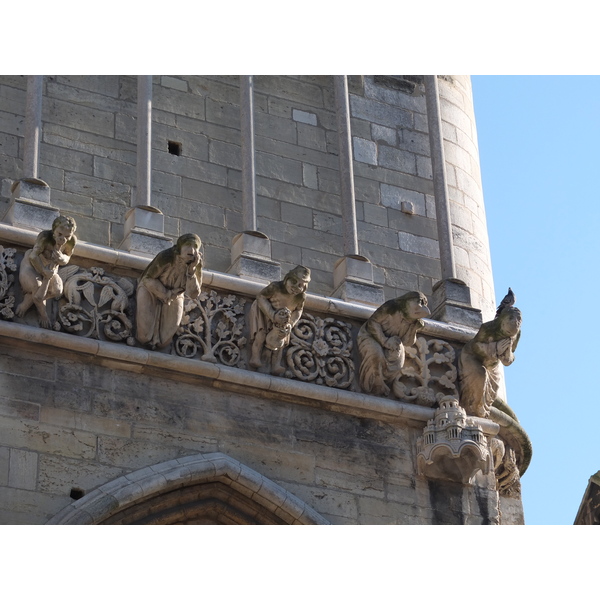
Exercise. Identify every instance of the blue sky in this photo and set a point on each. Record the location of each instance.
(538, 142)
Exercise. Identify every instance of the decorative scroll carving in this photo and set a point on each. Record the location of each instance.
(213, 326)
(289, 293)
(171, 274)
(7, 263)
(95, 305)
(320, 350)
(429, 367)
(38, 274)
(479, 363)
(383, 338)
(452, 446)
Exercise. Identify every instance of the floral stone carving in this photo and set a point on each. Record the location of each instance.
(383, 338)
(265, 315)
(213, 325)
(171, 274)
(429, 367)
(7, 264)
(479, 363)
(320, 350)
(96, 304)
(38, 274)
(452, 446)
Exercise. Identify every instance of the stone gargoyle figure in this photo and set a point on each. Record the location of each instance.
(161, 288)
(505, 468)
(38, 275)
(383, 337)
(479, 363)
(287, 294)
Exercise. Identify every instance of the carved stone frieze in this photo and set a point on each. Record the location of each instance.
(7, 268)
(320, 351)
(452, 446)
(212, 326)
(95, 305)
(429, 373)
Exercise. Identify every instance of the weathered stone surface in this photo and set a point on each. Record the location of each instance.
(364, 151)
(312, 137)
(23, 469)
(88, 158)
(30, 214)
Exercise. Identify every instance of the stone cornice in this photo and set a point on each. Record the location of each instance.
(123, 357)
(104, 256)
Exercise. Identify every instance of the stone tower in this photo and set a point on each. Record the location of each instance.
(372, 183)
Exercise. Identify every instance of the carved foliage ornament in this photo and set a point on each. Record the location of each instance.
(429, 373)
(212, 325)
(320, 350)
(7, 278)
(95, 305)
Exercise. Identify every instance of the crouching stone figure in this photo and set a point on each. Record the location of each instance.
(161, 287)
(270, 325)
(38, 274)
(383, 337)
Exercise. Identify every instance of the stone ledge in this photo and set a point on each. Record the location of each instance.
(108, 257)
(123, 357)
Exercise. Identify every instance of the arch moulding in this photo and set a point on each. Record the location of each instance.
(203, 488)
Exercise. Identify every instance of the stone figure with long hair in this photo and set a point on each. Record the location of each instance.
(382, 340)
(161, 288)
(480, 359)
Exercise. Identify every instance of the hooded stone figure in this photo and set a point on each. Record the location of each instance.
(171, 274)
(383, 337)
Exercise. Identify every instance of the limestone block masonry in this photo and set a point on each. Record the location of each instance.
(98, 427)
(88, 157)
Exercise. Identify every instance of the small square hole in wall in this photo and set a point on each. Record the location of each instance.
(174, 148)
(77, 493)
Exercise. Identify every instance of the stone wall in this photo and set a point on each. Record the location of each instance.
(69, 424)
(72, 420)
(88, 157)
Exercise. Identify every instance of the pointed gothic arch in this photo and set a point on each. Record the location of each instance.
(199, 489)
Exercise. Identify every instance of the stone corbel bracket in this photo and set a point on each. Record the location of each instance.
(452, 447)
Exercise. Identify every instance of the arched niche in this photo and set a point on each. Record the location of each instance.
(200, 489)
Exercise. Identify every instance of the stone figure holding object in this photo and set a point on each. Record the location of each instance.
(480, 359)
(38, 274)
(383, 337)
(270, 327)
(161, 288)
